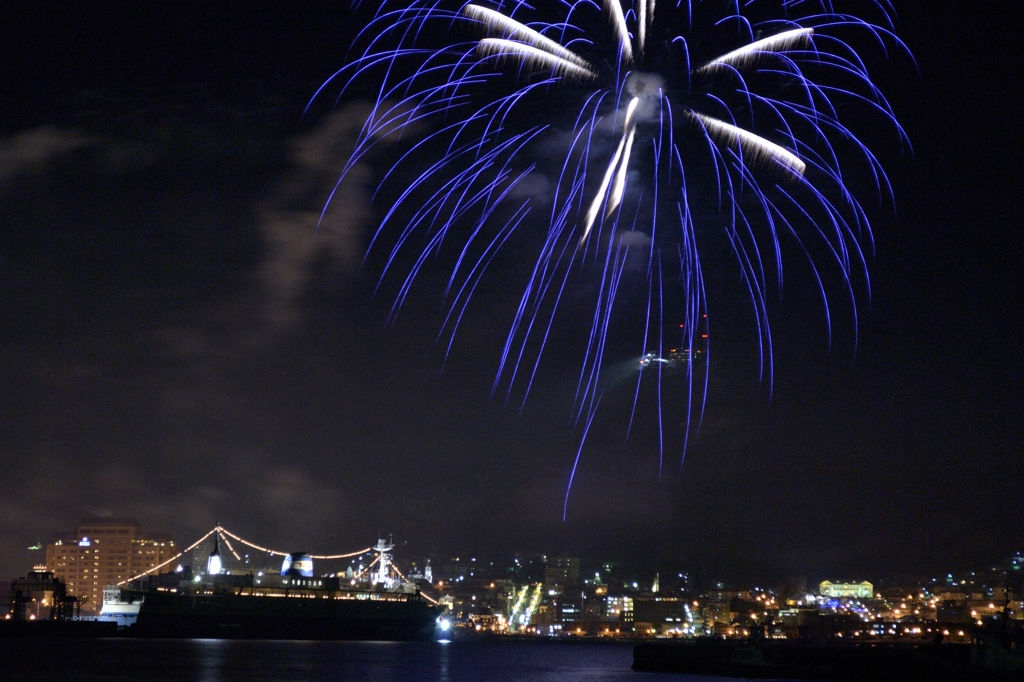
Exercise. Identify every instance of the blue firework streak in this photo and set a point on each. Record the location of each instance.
(686, 119)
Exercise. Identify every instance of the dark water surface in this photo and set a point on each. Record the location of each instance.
(235, 661)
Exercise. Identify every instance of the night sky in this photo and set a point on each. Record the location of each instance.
(180, 343)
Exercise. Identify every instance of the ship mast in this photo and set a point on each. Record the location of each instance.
(383, 573)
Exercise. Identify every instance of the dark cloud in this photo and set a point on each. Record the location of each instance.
(29, 151)
(312, 214)
(177, 356)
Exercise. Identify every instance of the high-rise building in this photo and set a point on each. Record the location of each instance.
(102, 551)
(562, 570)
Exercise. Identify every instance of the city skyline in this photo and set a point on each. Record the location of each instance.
(164, 554)
(180, 343)
(533, 595)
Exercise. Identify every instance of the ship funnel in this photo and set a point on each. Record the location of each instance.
(297, 564)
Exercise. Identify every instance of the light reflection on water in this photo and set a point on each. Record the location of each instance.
(442, 671)
(210, 660)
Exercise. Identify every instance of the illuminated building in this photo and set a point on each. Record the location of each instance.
(39, 596)
(719, 613)
(864, 590)
(619, 608)
(103, 551)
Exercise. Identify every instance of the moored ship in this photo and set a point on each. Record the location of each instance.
(239, 609)
(120, 606)
(293, 605)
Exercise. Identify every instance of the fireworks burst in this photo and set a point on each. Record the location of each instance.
(672, 123)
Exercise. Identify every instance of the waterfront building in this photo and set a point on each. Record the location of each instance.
(569, 609)
(39, 596)
(102, 551)
(663, 613)
(619, 608)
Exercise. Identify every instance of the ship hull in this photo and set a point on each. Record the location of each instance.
(232, 616)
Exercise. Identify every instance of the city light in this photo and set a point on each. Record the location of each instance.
(557, 597)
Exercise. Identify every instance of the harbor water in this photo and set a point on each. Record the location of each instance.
(491, 660)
